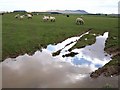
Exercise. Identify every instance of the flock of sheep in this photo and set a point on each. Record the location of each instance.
(79, 20)
(47, 18)
(29, 16)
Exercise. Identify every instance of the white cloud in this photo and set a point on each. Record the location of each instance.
(40, 71)
(93, 6)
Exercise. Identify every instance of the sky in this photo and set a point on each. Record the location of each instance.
(91, 6)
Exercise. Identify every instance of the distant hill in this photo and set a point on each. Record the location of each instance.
(19, 11)
(69, 11)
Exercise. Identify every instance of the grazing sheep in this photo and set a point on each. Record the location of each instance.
(22, 16)
(29, 16)
(52, 19)
(16, 16)
(45, 18)
(80, 21)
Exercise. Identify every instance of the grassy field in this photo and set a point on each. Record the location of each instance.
(29, 35)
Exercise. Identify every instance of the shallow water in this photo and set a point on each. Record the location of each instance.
(44, 70)
(90, 55)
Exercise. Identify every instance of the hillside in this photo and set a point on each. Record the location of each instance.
(69, 11)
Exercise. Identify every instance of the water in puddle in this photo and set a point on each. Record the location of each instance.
(90, 55)
(44, 70)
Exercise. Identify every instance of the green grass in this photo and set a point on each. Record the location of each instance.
(29, 35)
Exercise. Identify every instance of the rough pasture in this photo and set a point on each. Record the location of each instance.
(29, 35)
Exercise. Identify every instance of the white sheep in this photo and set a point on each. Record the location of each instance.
(29, 16)
(45, 18)
(16, 16)
(52, 19)
(22, 16)
(80, 21)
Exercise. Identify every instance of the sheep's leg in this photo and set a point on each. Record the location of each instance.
(81, 22)
(77, 22)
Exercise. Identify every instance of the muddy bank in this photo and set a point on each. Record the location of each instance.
(112, 68)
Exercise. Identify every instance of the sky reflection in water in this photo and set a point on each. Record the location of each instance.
(42, 70)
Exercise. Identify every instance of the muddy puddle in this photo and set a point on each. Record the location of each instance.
(43, 70)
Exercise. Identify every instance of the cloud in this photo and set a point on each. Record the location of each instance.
(37, 5)
(42, 71)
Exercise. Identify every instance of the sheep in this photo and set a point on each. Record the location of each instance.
(45, 18)
(80, 21)
(29, 16)
(22, 16)
(52, 19)
(19, 16)
(16, 16)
